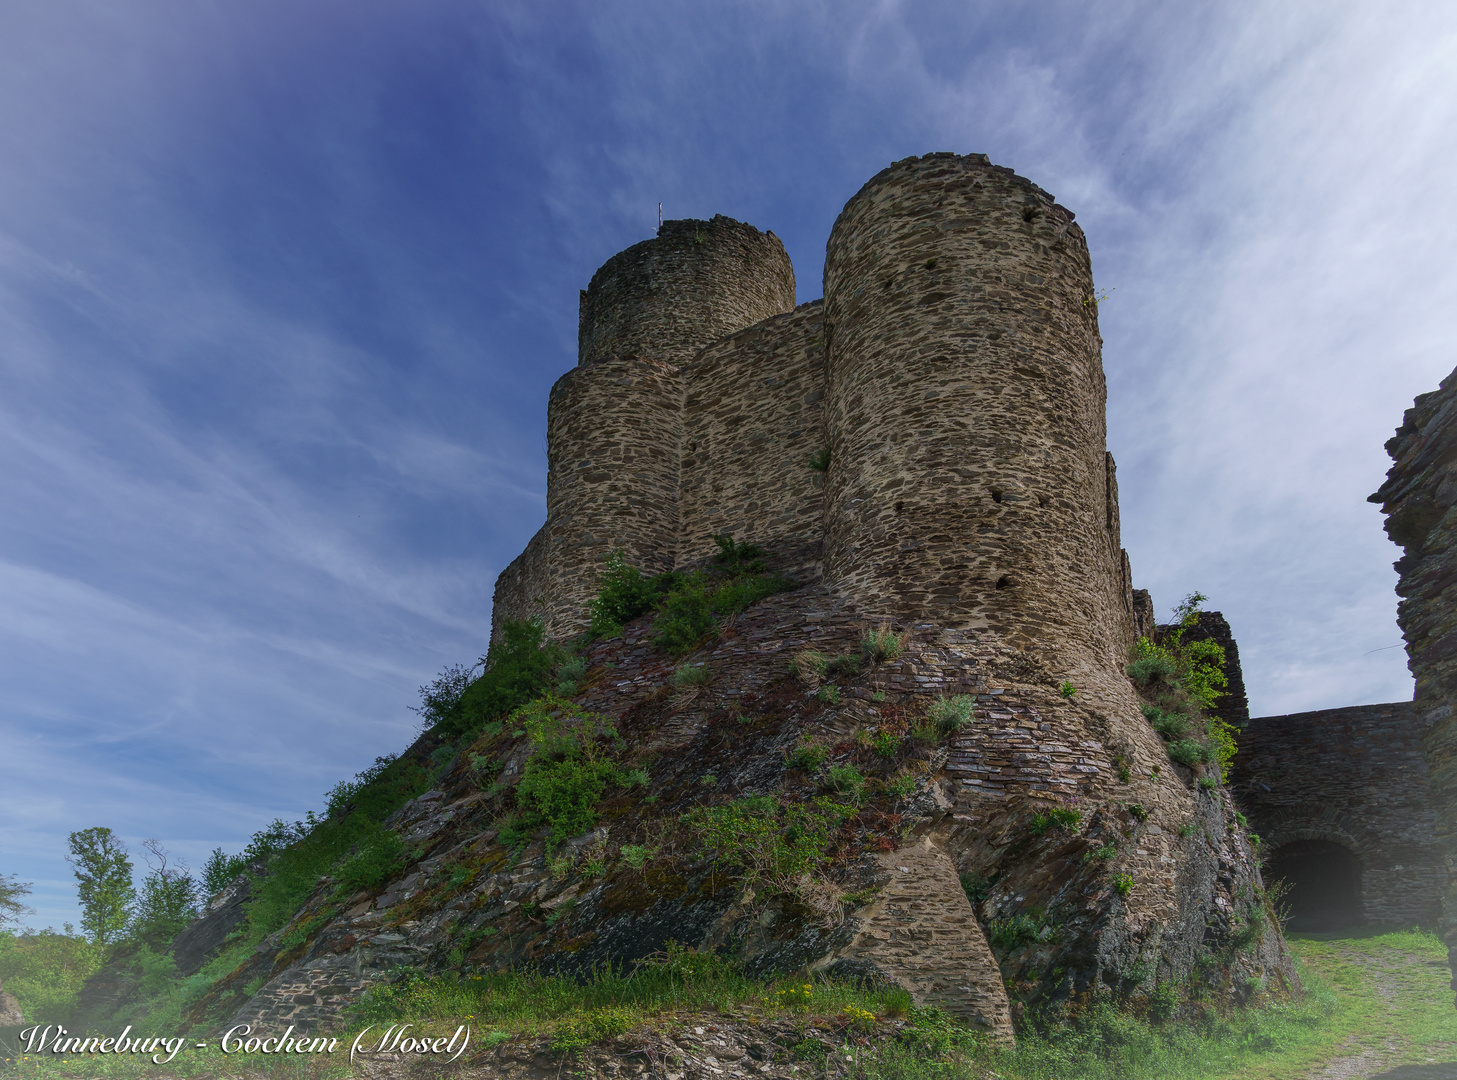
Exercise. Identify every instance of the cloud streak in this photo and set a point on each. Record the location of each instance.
(283, 289)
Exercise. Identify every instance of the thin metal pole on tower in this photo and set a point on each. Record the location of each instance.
(660, 217)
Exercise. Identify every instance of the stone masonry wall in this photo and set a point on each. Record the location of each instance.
(968, 481)
(613, 432)
(692, 284)
(522, 589)
(1356, 777)
(753, 417)
(1419, 498)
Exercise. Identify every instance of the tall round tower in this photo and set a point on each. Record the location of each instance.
(969, 483)
(695, 282)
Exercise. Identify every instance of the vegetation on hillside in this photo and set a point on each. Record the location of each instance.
(1180, 681)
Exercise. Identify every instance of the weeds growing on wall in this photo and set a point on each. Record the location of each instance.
(1179, 682)
(572, 764)
(689, 606)
(519, 669)
(776, 844)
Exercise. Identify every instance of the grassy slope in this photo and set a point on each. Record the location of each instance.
(1382, 993)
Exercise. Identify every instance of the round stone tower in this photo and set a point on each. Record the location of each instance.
(613, 429)
(969, 483)
(695, 282)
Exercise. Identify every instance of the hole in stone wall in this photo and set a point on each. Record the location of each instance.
(1325, 884)
(1005, 581)
(996, 495)
(1042, 500)
(899, 506)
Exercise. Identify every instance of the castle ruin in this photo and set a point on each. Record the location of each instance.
(952, 372)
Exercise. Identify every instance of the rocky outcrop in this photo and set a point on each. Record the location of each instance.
(1419, 499)
(1149, 877)
(10, 1012)
(204, 936)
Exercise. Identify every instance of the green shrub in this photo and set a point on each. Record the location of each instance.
(636, 855)
(1164, 1001)
(570, 674)
(885, 743)
(518, 669)
(1151, 664)
(570, 768)
(977, 887)
(1137, 810)
(381, 852)
(1122, 884)
(1208, 783)
(439, 699)
(776, 843)
(882, 643)
(951, 714)
(829, 694)
(45, 970)
(1188, 751)
(737, 595)
(691, 675)
(902, 786)
(1171, 725)
(1020, 929)
(1181, 680)
(624, 594)
(1063, 817)
(737, 559)
(819, 461)
(686, 617)
(846, 780)
(807, 756)
(1068, 690)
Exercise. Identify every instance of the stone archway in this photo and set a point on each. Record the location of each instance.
(1323, 884)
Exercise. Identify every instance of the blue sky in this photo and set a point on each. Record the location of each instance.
(284, 285)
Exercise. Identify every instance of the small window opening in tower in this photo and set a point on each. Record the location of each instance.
(1324, 883)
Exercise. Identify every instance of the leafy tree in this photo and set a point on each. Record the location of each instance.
(218, 871)
(168, 900)
(518, 669)
(11, 909)
(103, 883)
(439, 699)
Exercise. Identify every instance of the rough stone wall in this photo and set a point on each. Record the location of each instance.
(1419, 498)
(692, 284)
(523, 588)
(753, 417)
(1356, 777)
(969, 475)
(613, 433)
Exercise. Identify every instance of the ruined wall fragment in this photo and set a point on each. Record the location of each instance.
(1419, 499)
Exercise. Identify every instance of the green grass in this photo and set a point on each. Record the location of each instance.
(1343, 1012)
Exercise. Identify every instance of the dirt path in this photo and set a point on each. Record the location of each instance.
(1379, 1058)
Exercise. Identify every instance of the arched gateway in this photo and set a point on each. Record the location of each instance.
(1340, 800)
